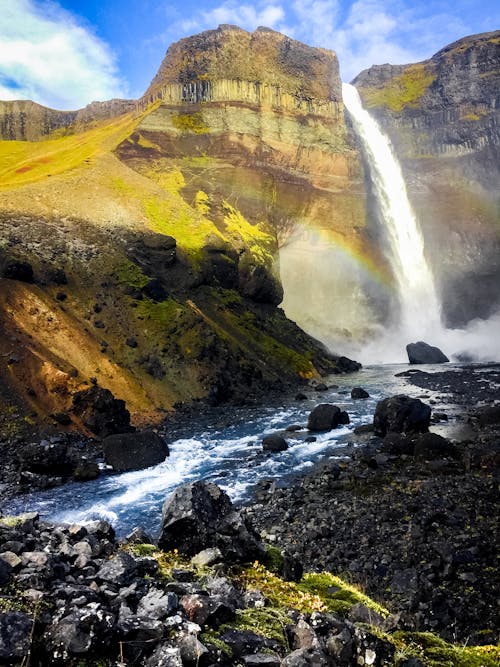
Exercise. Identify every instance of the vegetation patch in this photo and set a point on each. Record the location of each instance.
(405, 90)
(164, 313)
(435, 652)
(269, 622)
(337, 595)
(128, 273)
(190, 123)
(28, 161)
(254, 237)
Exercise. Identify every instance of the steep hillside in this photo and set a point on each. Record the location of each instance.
(443, 118)
(141, 252)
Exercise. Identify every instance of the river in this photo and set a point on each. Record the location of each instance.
(225, 448)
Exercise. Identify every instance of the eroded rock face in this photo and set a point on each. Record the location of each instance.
(200, 515)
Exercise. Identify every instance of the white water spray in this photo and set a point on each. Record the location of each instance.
(420, 309)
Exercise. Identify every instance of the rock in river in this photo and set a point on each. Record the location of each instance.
(423, 353)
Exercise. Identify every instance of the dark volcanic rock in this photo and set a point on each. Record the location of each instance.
(101, 412)
(274, 443)
(17, 270)
(46, 458)
(15, 635)
(325, 416)
(423, 353)
(134, 451)
(401, 414)
(200, 515)
(430, 446)
(359, 392)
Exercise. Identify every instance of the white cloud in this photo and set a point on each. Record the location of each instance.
(46, 56)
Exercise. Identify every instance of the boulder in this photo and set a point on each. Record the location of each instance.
(431, 446)
(423, 353)
(200, 515)
(46, 458)
(134, 451)
(325, 416)
(359, 392)
(489, 416)
(101, 412)
(274, 443)
(401, 414)
(346, 365)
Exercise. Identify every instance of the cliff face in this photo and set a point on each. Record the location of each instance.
(24, 120)
(257, 120)
(140, 251)
(443, 118)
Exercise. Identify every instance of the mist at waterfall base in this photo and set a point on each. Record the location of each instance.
(418, 314)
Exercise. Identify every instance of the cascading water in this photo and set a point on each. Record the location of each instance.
(420, 311)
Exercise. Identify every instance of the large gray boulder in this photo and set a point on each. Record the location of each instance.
(401, 414)
(423, 353)
(134, 451)
(200, 515)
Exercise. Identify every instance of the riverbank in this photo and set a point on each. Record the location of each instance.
(416, 532)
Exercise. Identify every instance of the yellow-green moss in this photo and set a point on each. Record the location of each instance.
(338, 595)
(257, 240)
(128, 273)
(202, 202)
(282, 594)
(435, 652)
(143, 142)
(163, 313)
(28, 161)
(213, 637)
(405, 90)
(269, 622)
(190, 123)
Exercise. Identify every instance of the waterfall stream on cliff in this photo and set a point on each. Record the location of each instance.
(419, 315)
(420, 311)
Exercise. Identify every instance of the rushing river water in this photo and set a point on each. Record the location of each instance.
(227, 450)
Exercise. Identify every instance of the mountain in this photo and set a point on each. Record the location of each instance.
(443, 117)
(139, 245)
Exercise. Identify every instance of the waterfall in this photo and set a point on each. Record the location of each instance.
(420, 311)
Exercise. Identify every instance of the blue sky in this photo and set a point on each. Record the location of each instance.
(66, 53)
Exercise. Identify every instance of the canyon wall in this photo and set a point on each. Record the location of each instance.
(442, 116)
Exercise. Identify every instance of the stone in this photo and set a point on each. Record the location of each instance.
(261, 660)
(398, 444)
(305, 658)
(200, 515)
(134, 451)
(423, 353)
(12, 560)
(325, 417)
(86, 470)
(80, 631)
(5, 570)
(274, 443)
(359, 392)
(157, 605)
(401, 414)
(207, 557)
(165, 656)
(139, 536)
(206, 610)
(191, 649)
(118, 570)
(431, 446)
(101, 412)
(15, 635)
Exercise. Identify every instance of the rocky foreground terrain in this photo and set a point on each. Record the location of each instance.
(407, 517)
